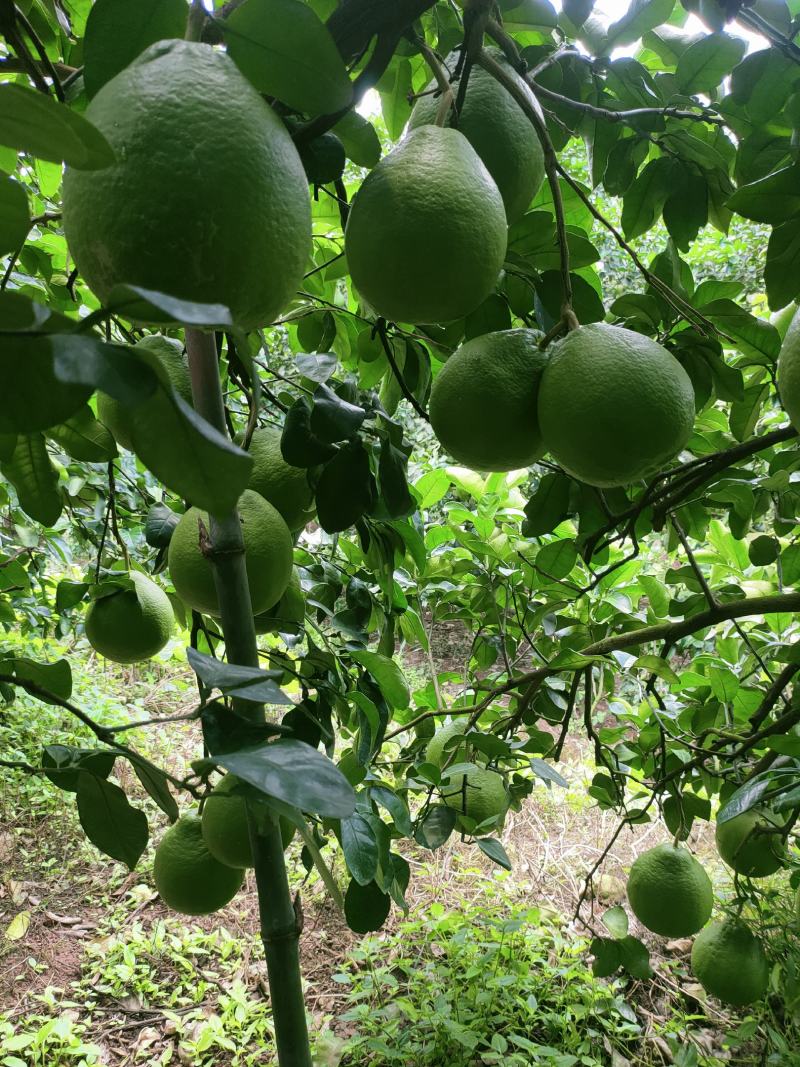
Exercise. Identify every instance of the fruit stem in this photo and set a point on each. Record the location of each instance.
(279, 928)
(196, 21)
(448, 101)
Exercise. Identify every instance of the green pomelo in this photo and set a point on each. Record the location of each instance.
(284, 486)
(131, 624)
(614, 406)
(499, 131)
(435, 752)
(730, 964)
(150, 417)
(669, 892)
(789, 372)
(483, 405)
(188, 878)
(427, 235)
(288, 614)
(268, 556)
(225, 829)
(746, 848)
(208, 200)
(482, 796)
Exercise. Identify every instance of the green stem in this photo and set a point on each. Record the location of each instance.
(279, 928)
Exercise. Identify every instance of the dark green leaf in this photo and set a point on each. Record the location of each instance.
(704, 64)
(607, 956)
(763, 550)
(296, 773)
(745, 798)
(333, 418)
(299, 446)
(754, 337)
(547, 772)
(547, 508)
(160, 525)
(346, 488)
(147, 305)
(30, 470)
(392, 480)
(436, 826)
(35, 396)
(69, 594)
(395, 805)
(557, 559)
(63, 764)
(109, 821)
(388, 675)
(287, 52)
(635, 958)
(360, 848)
(155, 783)
(55, 678)
(645, 198)
(493, 848)
(32, 122)
(84, 438)
(782, 271)
(366, 908)
(774, 199)
(246, 683)
(14, 216)
(361, 142)
(117, 31)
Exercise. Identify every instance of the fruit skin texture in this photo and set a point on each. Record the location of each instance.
(284, 486)
(427, 235)
(209, 200)
(268, 556)
(132, 624)
(188, 878)
(753, 854)
(499, 131)
(669, 892)
(789, 372)
(485, 797)
(224, 823)
(288, 614)
(729, 963)
(147, 418)
(614, 406)
(483, 405)
(434, 751)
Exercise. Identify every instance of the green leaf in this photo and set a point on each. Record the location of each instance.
(55, 678)
(708, 61)
(360, 848)
(436, 826)
(388, 675)
(366, 907)
(299, 446)
(296, 773)
(287, 52)
(232, 679)
(645, 198)
(109, 821)
(38, 124)
(754, 337)
(745, 413)
(548, 506)
(361, 142)
(395, 805)
(155, 783)
(117, 31)
(30, 470)
(607, 956)
(333, 418)
(773, 199)
(616, 922)
(34, 396)
(84, 438)
(395, 87)
(635, 958)
(15, 218)
(160, 525)
(641, 16)
(658, 666)
(557, 559)
(346, 488)
(493, 848)
(782, 272)
(69, 594)
(147, 305)
(392, 480)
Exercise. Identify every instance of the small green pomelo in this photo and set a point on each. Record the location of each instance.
(188, 878)
(478, 793)
(747, 848)
(789, 372)
(284, 486)
(497, 128)
(130, 625)
(669, 892)
(208, 199)
(225, 828)
(729, 963)
(427, 234)
(288, 614)
(435, 751)
(268, 556)
(614, 406)
(483, 405)
(152, 416)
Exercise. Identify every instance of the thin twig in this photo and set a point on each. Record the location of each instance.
(380, 330)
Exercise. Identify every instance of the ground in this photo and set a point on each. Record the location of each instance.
(103, 974)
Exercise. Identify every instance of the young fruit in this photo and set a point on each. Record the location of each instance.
(284, 486)
(483, 405)
(477, 793)
(268, 556)
(435, 751)
(746, 848)
(669, 892)
(188, 878)
(225, 828)
(426, 236)
(729, 963)
(614, 406)
(208, 200)
(498, 129)
(130, 625)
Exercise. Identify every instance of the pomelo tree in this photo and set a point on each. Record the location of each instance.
(234, 301)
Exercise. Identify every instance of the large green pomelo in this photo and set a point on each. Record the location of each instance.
(427, 235)
(498, 129)
(284, 486)
(151, 416)
(789, 372)
(483, 405)
(482, 796)
(669, 892)
(288, 614)
(729, 963)
(132, 624)
(268, 556)
(208, 200)
(225, 829)
(746, 848)
(188, 878)
(614, 406)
